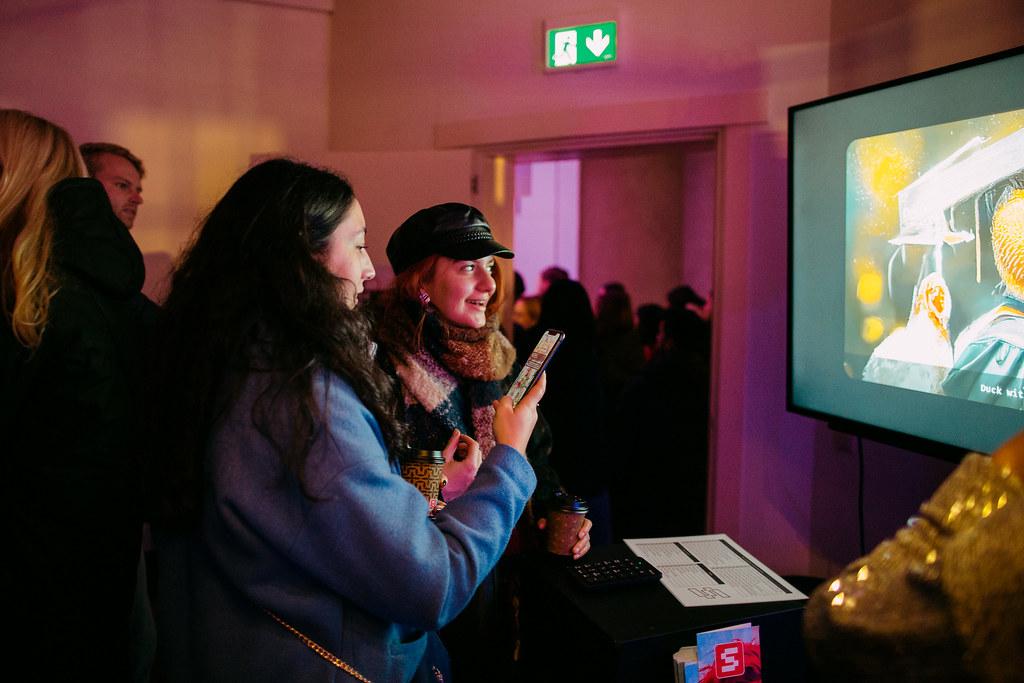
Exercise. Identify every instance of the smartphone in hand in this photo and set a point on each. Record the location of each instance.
(536, 364)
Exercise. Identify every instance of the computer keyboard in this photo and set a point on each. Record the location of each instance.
(621, 571)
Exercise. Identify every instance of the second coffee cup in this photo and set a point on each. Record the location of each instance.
(565, 519)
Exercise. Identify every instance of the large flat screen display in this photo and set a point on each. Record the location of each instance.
(906, 302)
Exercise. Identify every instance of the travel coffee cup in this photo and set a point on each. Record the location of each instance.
(424, 470)
(565, 519)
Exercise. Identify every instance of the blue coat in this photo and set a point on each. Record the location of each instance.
(359, 568)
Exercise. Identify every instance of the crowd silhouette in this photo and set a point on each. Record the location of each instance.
(646, 373)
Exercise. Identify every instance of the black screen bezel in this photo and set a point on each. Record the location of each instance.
(915, 436)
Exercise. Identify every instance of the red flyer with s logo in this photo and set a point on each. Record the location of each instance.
(729, 660)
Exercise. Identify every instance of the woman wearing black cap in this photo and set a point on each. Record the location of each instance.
(438, 329)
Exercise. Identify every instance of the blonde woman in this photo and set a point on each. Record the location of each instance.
(34, 155)
(69, 348)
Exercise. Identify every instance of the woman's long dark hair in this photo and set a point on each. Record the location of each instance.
(250, 294)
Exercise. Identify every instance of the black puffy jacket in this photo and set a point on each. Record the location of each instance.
(69, 429)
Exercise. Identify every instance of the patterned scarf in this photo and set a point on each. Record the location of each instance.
(451, 381)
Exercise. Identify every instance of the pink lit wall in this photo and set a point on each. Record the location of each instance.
(193, 87)
(425, 178)
(442, 63)
(631, 220)
(547, 218)
(699, 181)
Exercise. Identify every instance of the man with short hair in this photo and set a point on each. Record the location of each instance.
(121, 174)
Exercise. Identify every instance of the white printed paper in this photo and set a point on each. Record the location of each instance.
(712, 570)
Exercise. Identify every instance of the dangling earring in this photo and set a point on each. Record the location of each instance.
(424, 298)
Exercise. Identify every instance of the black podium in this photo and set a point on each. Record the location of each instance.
(631, 633)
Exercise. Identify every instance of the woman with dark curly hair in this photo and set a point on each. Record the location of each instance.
(291, 546)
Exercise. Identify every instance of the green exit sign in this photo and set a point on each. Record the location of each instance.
(588, 44)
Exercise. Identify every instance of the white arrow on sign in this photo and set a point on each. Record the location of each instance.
(597, 42)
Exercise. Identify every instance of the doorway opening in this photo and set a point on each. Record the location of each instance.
(641, 211)
(642, 215)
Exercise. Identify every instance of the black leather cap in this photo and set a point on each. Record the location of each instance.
(458, 231)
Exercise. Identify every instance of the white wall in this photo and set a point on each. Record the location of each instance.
(442, 63)
(391, 186)
(193, 87)
(699, 203)
(631, 220)
(547, 218)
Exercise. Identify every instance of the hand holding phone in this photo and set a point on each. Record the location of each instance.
(538, 361)
(513, 425)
